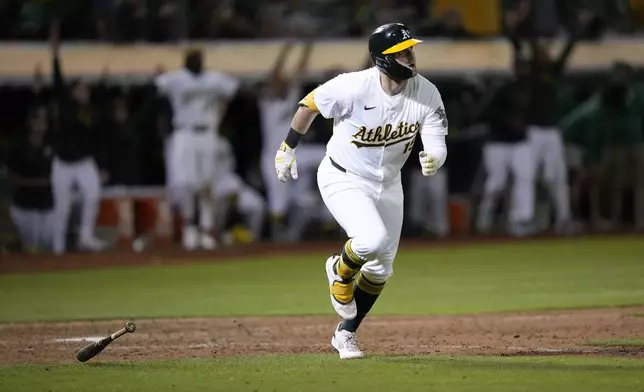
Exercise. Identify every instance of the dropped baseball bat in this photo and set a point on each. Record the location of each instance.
(91, 350)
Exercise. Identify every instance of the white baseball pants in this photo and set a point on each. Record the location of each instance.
(191, 169)
(249, 202)
(192, 158)
(549, 153)
(370, 212)
(428, 206)
(500, 160)
(86, 176)
(34, 226)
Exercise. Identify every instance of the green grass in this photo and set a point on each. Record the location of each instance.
(623, 342)
(325, 373)
(467, 279)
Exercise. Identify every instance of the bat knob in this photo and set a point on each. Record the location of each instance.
(130, 326)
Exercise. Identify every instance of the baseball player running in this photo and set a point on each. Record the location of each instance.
(197, 98)
(377, 114)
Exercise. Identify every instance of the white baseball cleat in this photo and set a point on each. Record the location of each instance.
(207, 242)
(346, 344)
(92, 244)
(190, 238)
(341, 292)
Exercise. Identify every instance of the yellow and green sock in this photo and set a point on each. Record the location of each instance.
(365, 293)
(349, 264)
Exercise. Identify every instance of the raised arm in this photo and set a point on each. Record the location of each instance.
(574, 125)
(54, 47)
(514, 19)
(584, 18)
(227, 88)
(278, 67)
(303, 66)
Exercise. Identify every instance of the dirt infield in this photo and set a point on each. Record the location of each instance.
(527, 333)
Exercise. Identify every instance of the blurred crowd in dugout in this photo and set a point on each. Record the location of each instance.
(538, 149)
(171, 20)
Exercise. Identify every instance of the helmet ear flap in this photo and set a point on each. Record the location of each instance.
(383, 63)
(388, 64)
(380, 62)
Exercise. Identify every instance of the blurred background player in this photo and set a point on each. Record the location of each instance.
(29, 168)
(198, 99)
(607, 128)
(122, 129)
(233, 195)
(549, 100)
(428, 205)
(276, 102)
(506, 151)
(77, 162)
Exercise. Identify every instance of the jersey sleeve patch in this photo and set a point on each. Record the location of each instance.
(309, 102)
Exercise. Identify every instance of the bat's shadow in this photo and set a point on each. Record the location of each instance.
(111, 365)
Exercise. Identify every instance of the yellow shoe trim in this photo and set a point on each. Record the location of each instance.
(342, 292)
(344, 271)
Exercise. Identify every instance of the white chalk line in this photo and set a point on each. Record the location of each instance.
(79, 339)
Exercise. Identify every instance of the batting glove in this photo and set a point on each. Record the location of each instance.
(428, 163)
(285, 164)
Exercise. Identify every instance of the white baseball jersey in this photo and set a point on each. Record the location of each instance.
(276, 115)
(373, 132)
(194, 97)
